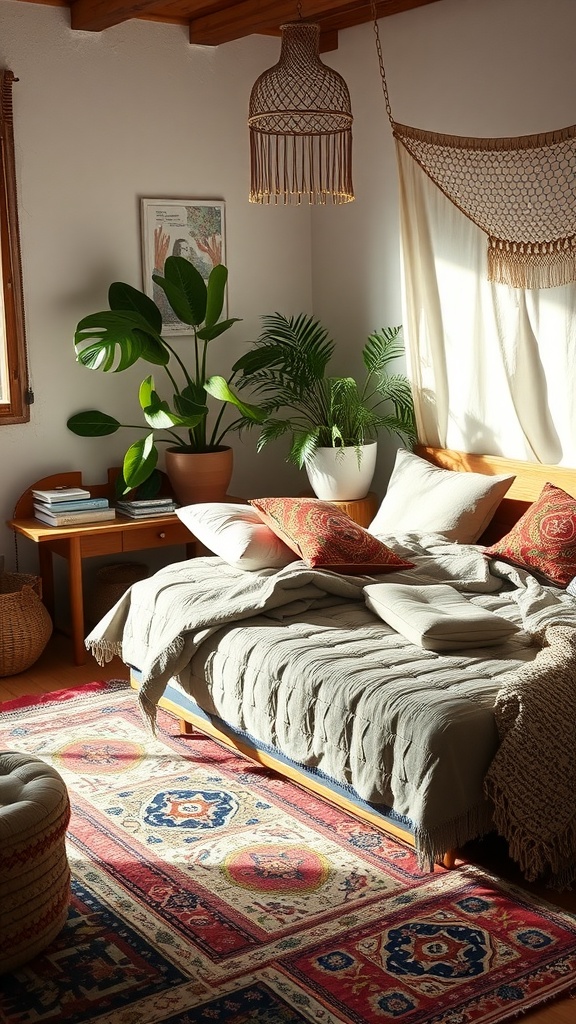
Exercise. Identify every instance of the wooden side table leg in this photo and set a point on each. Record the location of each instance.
(76, 600)
(47, 575)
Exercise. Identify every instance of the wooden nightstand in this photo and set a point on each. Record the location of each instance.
(75, 543)
(361, 510)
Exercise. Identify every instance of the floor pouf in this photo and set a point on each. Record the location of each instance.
(34, 871)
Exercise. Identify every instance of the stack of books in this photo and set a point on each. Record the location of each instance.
(70, 506)
(146, 508)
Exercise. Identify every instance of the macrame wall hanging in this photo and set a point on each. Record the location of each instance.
(520, 191)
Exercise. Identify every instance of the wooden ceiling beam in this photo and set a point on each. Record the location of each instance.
(356, 13)
(359, 12)
(97, 15)
(248, 17)
(212, 22)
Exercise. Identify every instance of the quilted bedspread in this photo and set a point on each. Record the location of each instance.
(295, 659)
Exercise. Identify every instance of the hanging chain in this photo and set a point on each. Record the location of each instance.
(381, 63)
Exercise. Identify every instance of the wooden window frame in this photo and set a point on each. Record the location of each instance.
(17, 408)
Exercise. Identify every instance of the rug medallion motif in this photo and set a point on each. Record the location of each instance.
(208, 889)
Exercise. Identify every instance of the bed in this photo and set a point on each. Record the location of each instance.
(297, 670)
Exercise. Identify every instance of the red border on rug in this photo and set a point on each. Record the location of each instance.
(56, 695)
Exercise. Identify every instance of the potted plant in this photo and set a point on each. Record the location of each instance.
(333, 422)
(114, 339)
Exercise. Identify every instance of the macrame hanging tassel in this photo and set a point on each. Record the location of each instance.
(519, 191)
(532, 265)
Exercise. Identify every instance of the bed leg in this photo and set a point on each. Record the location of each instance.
(449, 859)
(186, 728)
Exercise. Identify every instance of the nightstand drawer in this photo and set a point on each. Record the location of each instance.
(100, 544)
(157, 536)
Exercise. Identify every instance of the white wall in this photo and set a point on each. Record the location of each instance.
(102, 119)
(465, 67)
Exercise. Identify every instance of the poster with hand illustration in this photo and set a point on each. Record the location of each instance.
(192, 228)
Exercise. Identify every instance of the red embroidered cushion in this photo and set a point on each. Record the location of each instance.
(544, 539)
(325, 537)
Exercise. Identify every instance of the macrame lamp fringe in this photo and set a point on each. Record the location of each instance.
(291, 167)
(300, 122)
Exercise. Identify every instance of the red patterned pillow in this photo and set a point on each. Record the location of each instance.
(544, 539)
(324, 537)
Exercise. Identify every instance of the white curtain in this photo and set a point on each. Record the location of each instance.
(493, 367)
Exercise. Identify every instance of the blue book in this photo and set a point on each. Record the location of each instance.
(81, 505)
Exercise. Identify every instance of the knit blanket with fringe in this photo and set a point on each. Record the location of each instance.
(532, 778)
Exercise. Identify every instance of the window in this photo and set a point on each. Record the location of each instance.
(15, 393)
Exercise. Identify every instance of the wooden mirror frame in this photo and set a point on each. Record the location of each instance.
(17, 407)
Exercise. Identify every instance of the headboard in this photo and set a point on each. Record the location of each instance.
(530, 479)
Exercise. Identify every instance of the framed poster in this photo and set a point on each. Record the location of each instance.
(192, 228)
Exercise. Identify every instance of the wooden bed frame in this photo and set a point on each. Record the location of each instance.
(530, 479)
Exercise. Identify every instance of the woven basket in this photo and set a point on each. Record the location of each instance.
(25, 625)
(111, 582)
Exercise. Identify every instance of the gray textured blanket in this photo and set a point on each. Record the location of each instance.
(311, 671)
(160, 622)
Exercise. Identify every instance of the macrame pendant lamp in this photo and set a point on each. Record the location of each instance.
(300, 122)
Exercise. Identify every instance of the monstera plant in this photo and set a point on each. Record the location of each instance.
(130, 331)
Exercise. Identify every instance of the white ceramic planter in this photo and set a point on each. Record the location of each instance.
(336, 475)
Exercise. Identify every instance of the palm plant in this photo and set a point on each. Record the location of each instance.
(288, 368)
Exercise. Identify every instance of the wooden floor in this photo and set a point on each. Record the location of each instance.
(56, 671)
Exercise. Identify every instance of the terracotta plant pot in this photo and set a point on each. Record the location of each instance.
(199, 476)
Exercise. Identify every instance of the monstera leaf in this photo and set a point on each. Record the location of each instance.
(124, 296)
(93, 424)
(116, 339)
(185, 290)
(218, 387)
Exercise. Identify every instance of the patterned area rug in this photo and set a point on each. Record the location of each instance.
(207, 889)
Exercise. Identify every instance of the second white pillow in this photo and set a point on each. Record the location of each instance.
(424, 498)
(237, 534)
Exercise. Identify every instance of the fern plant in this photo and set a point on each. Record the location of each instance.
(288, 367)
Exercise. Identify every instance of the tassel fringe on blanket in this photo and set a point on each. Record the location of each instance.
(535, 810)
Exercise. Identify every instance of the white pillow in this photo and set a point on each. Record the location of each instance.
(423, 498)
(437, 617)
(237, 534)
